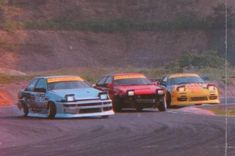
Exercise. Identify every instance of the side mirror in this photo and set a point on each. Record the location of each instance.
(41, 90)
(109, 85)
(205, 78)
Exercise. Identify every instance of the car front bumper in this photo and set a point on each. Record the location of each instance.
(84, 108)
(178, 99)
(146, 101)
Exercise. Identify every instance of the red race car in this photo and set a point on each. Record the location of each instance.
(132, 90)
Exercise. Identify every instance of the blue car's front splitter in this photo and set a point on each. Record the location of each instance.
(63, 115)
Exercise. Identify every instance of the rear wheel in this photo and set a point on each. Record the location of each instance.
(51, 110)
(25, 109)
(117, 106)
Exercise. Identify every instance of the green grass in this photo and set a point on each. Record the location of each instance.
(221, 111)
(92, 74)
(121, 25)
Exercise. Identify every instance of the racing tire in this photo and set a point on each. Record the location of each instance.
(168, 100)
(25, 109)
(51, 110)
(104, 116)
(162, 106)
(117, 106)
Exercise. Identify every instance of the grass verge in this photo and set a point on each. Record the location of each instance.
(92, 74)
(222, 111)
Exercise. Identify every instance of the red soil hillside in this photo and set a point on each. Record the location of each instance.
(5, 98)
(36, 48)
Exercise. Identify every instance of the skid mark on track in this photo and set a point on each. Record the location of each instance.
(193, 110)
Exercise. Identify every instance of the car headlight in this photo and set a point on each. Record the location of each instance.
(70, 98)
(160, 91)
(204, 85)
(130, 93)
(211, 88)
(103, 96)
(181, 89)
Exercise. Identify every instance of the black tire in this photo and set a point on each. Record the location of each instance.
(168, 100)
(51, 110)
(105, 117)
(117, 105)
(25, 109)
(162, 106)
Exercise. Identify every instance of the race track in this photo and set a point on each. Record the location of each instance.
(149, 133)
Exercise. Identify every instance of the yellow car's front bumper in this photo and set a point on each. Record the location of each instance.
(191, 98)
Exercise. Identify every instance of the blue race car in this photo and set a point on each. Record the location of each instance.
(63, 96)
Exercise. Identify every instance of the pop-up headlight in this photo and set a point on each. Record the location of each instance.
(70, 98)
(211, 87)
(103, 96)
(160, 91)
(131, 93)
(181, 89)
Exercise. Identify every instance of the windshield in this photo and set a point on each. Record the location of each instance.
(134, 81)
(185, 80)
(68, 85)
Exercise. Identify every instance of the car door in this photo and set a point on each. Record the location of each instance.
(40, 95)
(28, 94)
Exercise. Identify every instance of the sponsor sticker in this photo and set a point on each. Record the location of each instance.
(63, 79)
(119, 77)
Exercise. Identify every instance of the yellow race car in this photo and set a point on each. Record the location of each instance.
(189, 89)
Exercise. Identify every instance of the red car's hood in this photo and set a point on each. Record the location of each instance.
(139, 89)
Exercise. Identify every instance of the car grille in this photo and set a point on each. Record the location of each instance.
(90, 110)
(89, 104)
(202, 98)
(182, 98)
(152, 96)
(107, 108)
(93, 107)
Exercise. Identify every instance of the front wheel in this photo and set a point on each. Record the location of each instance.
(51, 110)
(168, 99)
(117, 106)
(25, 109)
(162, 106)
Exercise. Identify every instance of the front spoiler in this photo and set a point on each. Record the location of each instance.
(62, 115)
(187, 103)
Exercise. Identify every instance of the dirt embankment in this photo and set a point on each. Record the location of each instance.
(35, 50)
(8, 93)
(45, 50)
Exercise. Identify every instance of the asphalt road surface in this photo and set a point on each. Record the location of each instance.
(149, 133)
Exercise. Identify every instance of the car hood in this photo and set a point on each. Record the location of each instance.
(139, 89)
(193, 85)
(84, 93)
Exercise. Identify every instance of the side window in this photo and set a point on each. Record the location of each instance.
(101, 82)
(31, 85)
(164, 81)
(108, 80)
(41, 84)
